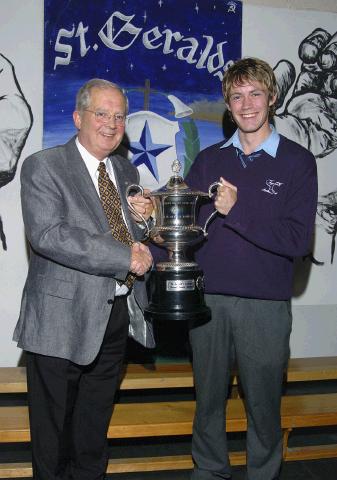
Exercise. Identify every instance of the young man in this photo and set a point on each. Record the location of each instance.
(78, 304)
(266, 204)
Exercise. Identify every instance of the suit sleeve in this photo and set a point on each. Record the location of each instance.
(55, 233)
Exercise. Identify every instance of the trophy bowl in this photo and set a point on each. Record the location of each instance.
(176, 288)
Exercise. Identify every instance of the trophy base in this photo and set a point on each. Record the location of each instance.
(177, 295)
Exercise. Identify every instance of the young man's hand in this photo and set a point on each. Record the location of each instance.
(226, 197)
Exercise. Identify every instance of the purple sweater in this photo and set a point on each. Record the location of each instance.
(249, 253)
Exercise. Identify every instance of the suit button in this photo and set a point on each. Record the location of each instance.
(110, 301)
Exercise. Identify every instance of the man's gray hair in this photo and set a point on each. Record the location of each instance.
(83, 95)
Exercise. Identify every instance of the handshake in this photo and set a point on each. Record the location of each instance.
(141, 259)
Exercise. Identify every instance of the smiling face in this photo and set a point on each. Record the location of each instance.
(249, 103)
(101, 138)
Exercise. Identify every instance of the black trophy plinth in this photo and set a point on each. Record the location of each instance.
(177, 295)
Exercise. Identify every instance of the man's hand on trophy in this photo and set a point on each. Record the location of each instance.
(142, 205)
(141, 259)
(226, 197)
(310, 113)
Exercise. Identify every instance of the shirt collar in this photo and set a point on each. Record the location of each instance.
(90, 161)
(269, 145)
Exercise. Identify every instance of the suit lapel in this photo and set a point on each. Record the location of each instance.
(122, 182)
(80, 177)
(83, 184)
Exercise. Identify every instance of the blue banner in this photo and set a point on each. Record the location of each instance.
(169, 56)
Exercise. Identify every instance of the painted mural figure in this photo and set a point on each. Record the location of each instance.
(327, 211)
(267, 205)
(309, 114)
(16, 122)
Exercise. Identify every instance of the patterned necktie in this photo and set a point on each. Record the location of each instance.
(113, 209)
(245, 158)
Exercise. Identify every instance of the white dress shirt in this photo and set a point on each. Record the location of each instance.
(92, 164)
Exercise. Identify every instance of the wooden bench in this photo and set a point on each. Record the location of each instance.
(179, 375)
(174, 418)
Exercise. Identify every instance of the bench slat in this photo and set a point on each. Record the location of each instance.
(13, 380)
(126, 465)
(16, 470)
(175, 462)
(312, 369)
(311, 452)
(175, 418)
(138, 376)
(150, 464)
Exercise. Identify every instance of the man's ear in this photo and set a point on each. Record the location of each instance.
(77, 119)
(272, 100)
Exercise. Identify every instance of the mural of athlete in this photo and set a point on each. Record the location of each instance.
(327, 211)
(16, 122)
(309, 116)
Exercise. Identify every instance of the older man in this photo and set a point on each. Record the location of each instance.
(85, 288)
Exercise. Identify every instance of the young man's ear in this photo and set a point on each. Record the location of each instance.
(272, 100)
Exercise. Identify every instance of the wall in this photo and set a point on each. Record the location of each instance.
(317, 5)
(275, 34)
(21, 41)
(270, 33)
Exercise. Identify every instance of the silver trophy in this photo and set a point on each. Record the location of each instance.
(176, 285)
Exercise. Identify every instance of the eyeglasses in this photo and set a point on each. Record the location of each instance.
(105, 117)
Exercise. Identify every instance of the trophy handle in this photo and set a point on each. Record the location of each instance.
(210, 194)
(139, 215)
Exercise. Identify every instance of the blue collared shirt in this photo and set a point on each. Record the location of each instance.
(269, 145)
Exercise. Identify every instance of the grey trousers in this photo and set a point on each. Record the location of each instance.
(256, 334)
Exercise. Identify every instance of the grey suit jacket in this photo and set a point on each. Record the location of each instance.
(75, 260)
